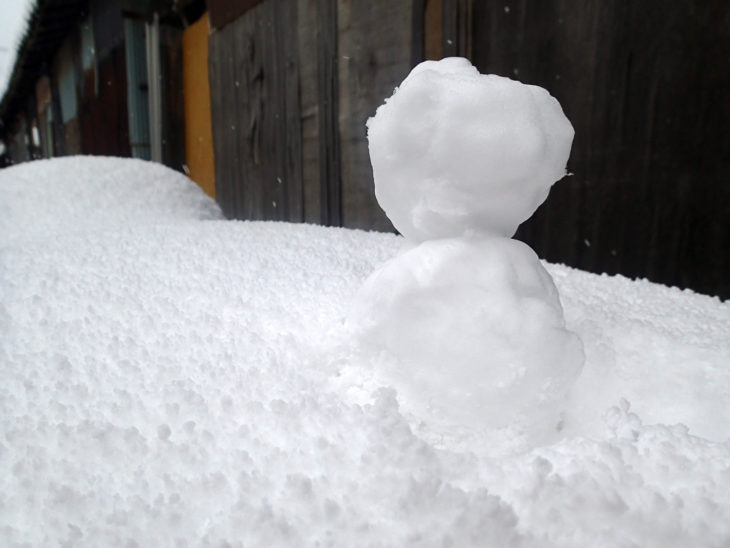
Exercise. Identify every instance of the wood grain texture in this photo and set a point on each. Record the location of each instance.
(223, 119)
(173, 106)
(307, 36)
(289, 134)
(105, 108)
(223, 12)
(645, 85)
(199, 155)
(375, 45)
(328, 105)
(255, 114)
(457, 27)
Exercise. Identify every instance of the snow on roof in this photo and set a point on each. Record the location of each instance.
(13, 25)
(169, 377)
(48, 24)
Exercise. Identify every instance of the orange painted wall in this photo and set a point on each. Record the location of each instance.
(198, 127)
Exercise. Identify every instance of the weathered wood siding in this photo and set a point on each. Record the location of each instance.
(173, 103)
(645, 85)
(256, 116)
(198, 126)
(105, 108)
(308, 29)
(292, 84)
(375, 42)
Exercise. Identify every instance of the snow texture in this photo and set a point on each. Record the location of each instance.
(168, 381)
(93, 193)
(476, 330)
(455, 150)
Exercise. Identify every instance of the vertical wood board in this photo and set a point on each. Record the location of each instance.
(375, 53)
(308, 33)
(198, 126)
(644, 84)
(256, 116)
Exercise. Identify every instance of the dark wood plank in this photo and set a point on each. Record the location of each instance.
(308, 32)
(173, 106)
(59, 135)
(457, 27)
(105, 107)
(245, 86)
(220, 67)
(418, 32)
(328, 109)
(375, 53)
(433, 30)
(223, 12)
(291, 138)
(274, 115)
(644, 85)
(256, 115)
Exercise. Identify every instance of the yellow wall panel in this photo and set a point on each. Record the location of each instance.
(196, 86)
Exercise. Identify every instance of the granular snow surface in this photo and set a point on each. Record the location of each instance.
(168, 378)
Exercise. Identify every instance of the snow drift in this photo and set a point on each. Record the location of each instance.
(187, 382)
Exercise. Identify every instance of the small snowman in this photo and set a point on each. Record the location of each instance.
(470, 319)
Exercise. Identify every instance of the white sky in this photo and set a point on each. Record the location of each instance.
(13, 17)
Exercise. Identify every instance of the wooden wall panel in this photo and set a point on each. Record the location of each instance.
(645, 86)
(642, 82)
(98, 112)
(223, 12)
(289, 134)
(308, 32)
(256, 115)
(328, 90)
(59, 135)
(457, 27)
(173, 105)
(198, 126)
(375, 50)
(224, 117)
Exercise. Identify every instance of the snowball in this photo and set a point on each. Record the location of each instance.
(454, 150)
(476, 329)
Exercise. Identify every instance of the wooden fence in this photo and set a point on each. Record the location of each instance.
(645, 85)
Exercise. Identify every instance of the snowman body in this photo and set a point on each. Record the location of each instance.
(470, 318)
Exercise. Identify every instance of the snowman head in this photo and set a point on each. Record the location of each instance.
(455, 151)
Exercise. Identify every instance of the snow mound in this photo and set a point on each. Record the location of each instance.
(476, 330)
(75, 193)
(173, 384)
(454, 150)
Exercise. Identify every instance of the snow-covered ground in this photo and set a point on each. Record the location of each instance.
(169, 378)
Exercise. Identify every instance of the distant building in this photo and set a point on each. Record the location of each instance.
(98, 77)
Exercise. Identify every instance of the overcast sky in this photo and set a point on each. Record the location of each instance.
(13, 16)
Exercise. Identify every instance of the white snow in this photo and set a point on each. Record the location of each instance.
(90, 193)
(167, 379)
(476, 332)
(453, 149)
